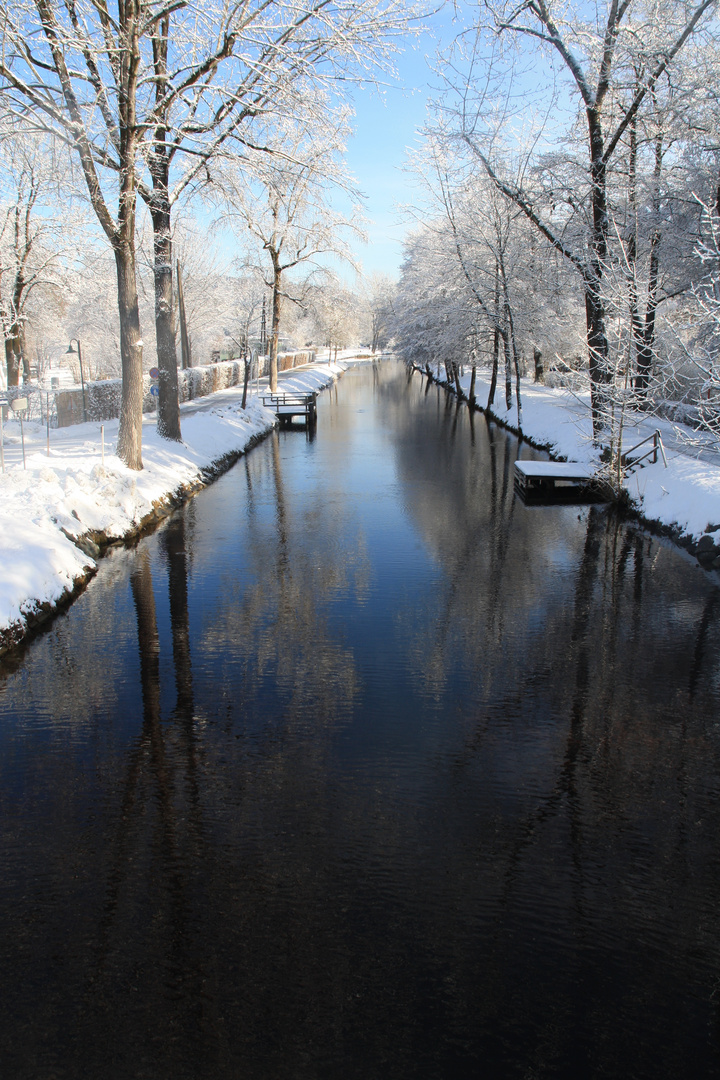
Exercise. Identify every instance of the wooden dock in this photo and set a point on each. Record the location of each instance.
(287, 406)
(555, 481)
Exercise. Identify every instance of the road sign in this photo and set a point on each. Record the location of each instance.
(19, 404)
(154, 373)
(155, 390)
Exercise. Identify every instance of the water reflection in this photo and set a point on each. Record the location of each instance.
(359, 765)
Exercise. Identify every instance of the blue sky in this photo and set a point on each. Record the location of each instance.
(385, 125)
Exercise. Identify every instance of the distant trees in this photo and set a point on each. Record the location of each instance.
(337, 315)
(285, 202)
(379, 295)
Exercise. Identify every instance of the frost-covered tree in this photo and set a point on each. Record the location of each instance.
(379, 296)
(517, 297)
(336, 314)
(285, 203)
(34, 235)
(137, 89)
(75, 70)
(434, 324)
(218, 72)
(606, 62)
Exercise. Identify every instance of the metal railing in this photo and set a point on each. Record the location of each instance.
(287, 405)
(630, 462)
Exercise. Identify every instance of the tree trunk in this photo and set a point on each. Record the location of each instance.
(471, 394)
(275, 327)
(13, 354)
(597, 354)
(246, 378)
(508, 370)
(496, 339)
(513, 346)
(594, 303)
(129, 446)
(646, 341)
(168, 421)
(539, 370)
(496, 360)
(184, 337)
(646, 350)
(456, 373)
(631, 247)
(518, 395)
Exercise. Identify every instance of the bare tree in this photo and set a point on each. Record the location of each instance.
(219, 71)
(31, 240)
(284, 202)
(74, 70)
(597, 53)
(154, 84)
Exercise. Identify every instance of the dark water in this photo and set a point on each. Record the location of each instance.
(359, 768)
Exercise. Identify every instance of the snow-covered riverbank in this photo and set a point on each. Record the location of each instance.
(56, 513)
(683, 498)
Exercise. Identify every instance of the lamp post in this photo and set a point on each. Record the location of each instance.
(82, 376)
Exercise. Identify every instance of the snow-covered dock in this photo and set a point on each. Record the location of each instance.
(287, 406)
(555, 481)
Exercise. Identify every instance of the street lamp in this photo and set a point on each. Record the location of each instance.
(82, 376)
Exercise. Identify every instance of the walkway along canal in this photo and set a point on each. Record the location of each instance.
(360, 767)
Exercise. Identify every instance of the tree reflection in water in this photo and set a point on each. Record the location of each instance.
(359, 766)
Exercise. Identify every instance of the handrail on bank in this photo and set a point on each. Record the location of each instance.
(656, 440)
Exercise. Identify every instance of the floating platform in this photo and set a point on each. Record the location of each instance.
(287, 406)
(556, 481)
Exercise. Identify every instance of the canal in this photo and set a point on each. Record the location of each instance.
(360, 768)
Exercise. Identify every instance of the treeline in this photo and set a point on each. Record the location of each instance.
(223, 111)
(571, 209)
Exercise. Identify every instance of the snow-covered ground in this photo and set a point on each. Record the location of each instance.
(69, 493)
(685, 496)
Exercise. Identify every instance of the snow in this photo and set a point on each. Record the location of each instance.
(70, 493)
(560, 470)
